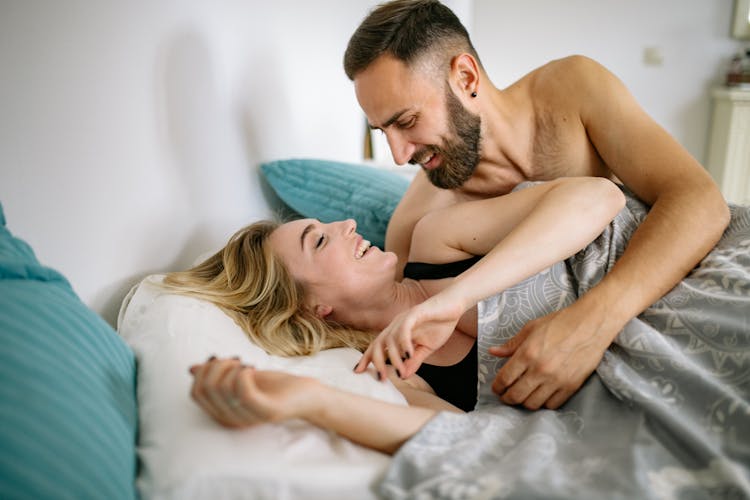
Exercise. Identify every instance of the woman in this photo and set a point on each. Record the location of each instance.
(305, 286)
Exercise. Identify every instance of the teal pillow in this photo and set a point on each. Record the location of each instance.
(17, 259)
(331, 191)
(68, 413)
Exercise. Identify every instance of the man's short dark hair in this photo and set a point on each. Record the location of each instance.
(407, 30)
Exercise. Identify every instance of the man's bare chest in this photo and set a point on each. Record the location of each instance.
(560, 147)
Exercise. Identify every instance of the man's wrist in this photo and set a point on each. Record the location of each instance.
(601, 313)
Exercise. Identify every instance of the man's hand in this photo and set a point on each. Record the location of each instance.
(550, 358)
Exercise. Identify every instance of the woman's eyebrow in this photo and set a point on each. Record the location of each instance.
(307, 229)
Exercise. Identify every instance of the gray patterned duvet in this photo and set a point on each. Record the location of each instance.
(665, 416)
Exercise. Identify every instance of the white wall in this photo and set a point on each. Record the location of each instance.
(131, 132)
(693, 37)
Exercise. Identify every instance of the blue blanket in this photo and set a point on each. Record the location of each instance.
(665, 416)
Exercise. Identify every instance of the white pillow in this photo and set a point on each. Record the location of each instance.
(185, 454)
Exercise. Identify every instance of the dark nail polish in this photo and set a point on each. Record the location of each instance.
(355, 367)
(398, 373)
(380, 376)
(407, 355)
(212, 358)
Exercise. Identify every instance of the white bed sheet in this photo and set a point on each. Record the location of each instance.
(185, 454)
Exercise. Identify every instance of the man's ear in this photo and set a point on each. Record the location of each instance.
(465, 74)
(322, 311)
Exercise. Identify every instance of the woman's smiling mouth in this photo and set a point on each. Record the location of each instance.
(361, 248)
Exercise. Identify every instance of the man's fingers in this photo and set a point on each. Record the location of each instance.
(539, 397)
(519, 391)
(509, 348)
(558, 399)
(501, 351)
(507, 376)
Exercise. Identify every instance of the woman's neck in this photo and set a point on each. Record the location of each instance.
(378, 312)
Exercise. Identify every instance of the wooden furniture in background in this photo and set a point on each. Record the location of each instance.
(729, 146)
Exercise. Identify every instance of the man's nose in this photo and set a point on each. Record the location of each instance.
(401, 149)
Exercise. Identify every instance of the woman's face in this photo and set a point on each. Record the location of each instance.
(334, 264)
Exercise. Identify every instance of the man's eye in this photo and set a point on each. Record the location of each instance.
(320, 241)
(408, 123)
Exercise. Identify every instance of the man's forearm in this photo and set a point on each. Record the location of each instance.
(675, 236)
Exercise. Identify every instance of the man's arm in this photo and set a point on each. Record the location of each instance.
(688, 213)
(421, 197)
(551, 357)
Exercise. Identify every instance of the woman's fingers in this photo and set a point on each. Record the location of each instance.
(378, 360)
(419, 354)
(218, 391)
(250, 408)
(394, 345)
(215, 389)
(394, 355)
(237, 395)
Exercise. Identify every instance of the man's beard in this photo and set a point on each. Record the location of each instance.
(460, 153)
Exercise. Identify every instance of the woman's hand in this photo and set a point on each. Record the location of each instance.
(413, 336)
(237, 395)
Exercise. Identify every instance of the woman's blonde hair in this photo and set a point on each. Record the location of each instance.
(251, 284)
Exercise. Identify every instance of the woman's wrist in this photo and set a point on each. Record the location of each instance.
(317, 402)
(459, 295)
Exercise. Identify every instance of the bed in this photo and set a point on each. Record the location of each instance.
(91, 412)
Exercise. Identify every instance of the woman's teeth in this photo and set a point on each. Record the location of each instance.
(361, 249)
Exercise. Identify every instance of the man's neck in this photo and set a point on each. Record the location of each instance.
(507, 127)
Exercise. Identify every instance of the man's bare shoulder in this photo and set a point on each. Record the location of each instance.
(565, 78)
(571, 68)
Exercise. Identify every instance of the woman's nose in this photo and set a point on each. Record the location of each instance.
(347, 226)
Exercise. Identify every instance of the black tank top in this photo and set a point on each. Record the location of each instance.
(457, 383)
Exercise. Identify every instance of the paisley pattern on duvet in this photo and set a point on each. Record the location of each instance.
(665, 416)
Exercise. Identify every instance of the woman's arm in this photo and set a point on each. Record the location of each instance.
(520, 234)
(239, 396)
(418, 392)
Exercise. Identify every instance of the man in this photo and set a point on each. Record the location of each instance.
(419, 80)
